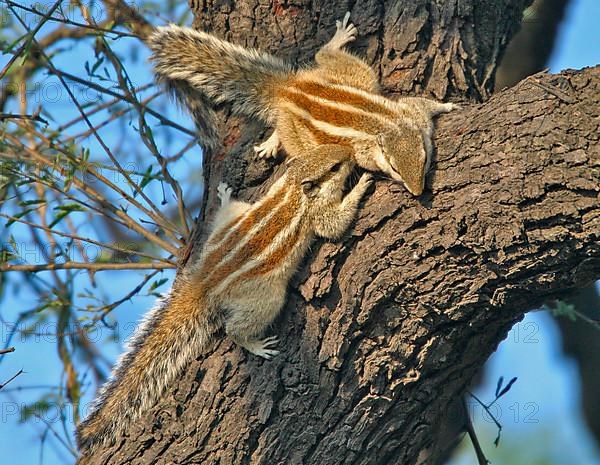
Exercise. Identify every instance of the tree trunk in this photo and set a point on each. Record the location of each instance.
(383, 331)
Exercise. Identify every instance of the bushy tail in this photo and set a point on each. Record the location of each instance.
(170, 337)
(223, 72)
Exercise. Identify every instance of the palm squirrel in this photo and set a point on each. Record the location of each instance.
(336, 102)
(238, 282)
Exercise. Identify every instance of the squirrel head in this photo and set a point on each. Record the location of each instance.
(404, 157)
(322, 171)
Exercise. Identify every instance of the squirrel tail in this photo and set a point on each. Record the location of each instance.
(195, 63)
(169, 337)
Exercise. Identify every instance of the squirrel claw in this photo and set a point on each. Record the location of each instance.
(268, 149)
(345, 32)
(224, 193)
(268, 354)
(264, 348)
(366, 179)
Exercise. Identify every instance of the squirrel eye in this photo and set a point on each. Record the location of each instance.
(307, 186)
(335, 168)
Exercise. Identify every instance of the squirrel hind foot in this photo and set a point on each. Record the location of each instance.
(224, 193)
(345, 32)
(447, 107)
(260, 347)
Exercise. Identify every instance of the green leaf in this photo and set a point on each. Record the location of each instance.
(157, 284)
(63, 211)
(18, 215)
(26, 203)
(562, 308)
(507, 387)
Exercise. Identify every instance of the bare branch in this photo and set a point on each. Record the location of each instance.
(87, 266)
(86, 239)
(92, 28)
(20, 372)
(27, 117)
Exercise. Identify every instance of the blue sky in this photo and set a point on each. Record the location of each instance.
(530, 352)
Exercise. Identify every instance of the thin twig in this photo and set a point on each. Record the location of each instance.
(85, 239)
(92, 85)
(98, 108)
(87, 266)
(7, 351)
(32, 34)
(60, 439)
(113, 117)
(27, 117)
(487, 409)
(71, 22)
(103, 213)
(554, 91)
(481, 458)
(109, 308)
(20, 372)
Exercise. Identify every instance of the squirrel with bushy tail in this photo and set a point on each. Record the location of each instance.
(337, 101)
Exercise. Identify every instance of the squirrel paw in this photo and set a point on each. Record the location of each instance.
(447, 107)
(263, 348)
(364, 182)
(224, 193)
(268, 149)
(346, 32)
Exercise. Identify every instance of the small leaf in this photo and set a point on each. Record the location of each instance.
(64, 210)
(562, 308)
(499, 385)
(157, 284)
(18, 215)
(147, 178)
(507, 387)
(97, 64)
(26, 203)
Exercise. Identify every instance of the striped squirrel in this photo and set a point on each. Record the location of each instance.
(336, 102)
(238, 282)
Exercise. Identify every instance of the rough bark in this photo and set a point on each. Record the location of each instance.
(382, 331)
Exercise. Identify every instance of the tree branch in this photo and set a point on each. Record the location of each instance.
(88, 266)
